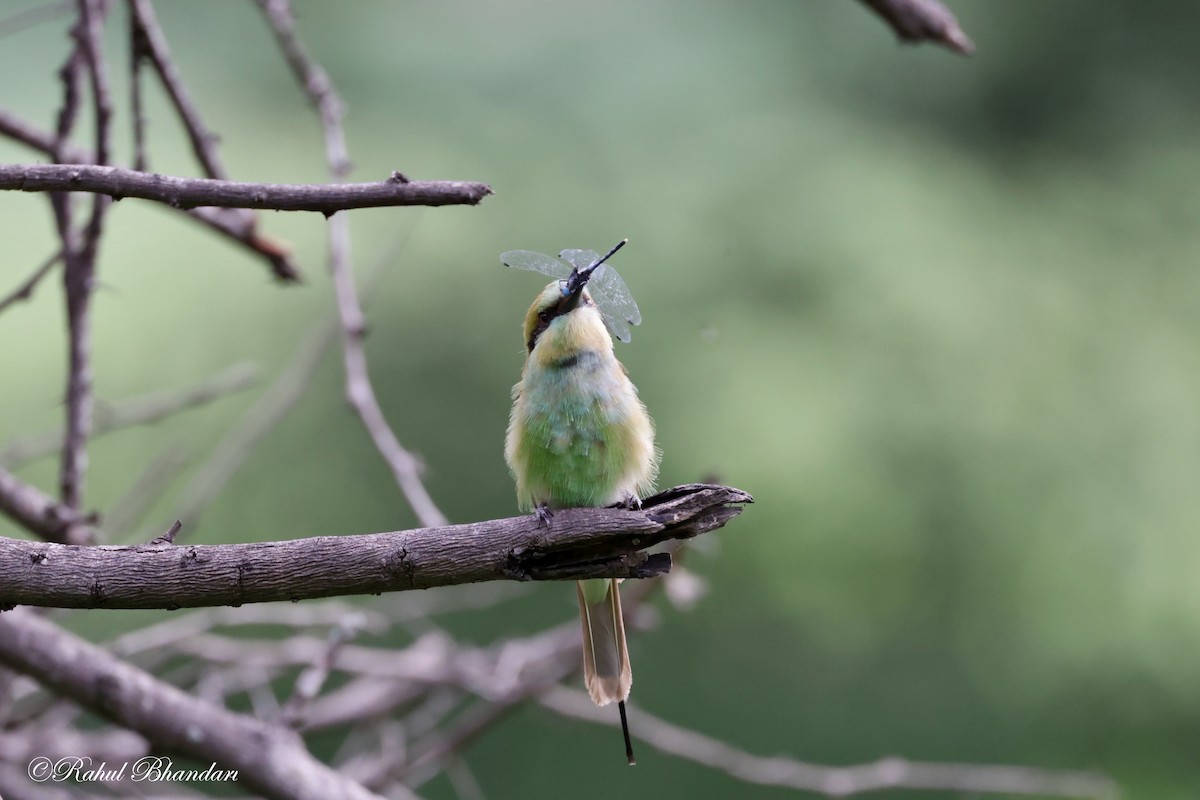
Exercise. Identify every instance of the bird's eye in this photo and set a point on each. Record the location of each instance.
(544, 316)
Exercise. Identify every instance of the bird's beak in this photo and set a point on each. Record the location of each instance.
(573, 291)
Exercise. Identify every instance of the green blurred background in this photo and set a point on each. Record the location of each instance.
(939, 315)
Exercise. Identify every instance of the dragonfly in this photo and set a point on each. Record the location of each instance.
(577, 267)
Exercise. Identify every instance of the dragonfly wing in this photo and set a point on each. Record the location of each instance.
(535, 262)
(608, 283)
(580, 259)
(615, 323)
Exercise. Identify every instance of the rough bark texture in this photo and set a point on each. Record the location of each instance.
(576, 543)
(119, 183)
(270, 760)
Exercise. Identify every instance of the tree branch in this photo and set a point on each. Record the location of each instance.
(270, 760)
(577, 543)
(146, 409)
(917, 21)
(227, 223)
(360, 393)
(192, 192)
(314, 80)
(887, 773)
(25, 290)
(153, 47)
(79, 273)
(38, 512)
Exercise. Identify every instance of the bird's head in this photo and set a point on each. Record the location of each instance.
(564, 321)
(563, 318)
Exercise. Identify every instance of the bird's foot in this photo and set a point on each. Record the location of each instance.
(633, 503)
(543, 514)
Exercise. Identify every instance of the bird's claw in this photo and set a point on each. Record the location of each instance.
(543, 514)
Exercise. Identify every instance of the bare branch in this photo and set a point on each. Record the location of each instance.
(360, 393)
(918, 21)
(79, 271)
(177, 192)
(187, 624)
(39, 513)
(154, 48)
(577, 543)
(270, 407)
(309, 682)
(144, 409)
(888, 773)
(243, 230)
(314, 80)
(35, 138)
(30, 17)
(25, 290)
(227, 222)
(270, 760)
(406, 468)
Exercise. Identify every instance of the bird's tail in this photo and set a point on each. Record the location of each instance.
(606, 671)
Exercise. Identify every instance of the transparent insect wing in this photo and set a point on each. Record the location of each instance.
(612, 296)
(580, 259)
(536, 262)
(620, 300)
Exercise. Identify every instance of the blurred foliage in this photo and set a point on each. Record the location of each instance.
(939, 315)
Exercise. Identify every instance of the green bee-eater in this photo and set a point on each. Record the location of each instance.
(580, 436)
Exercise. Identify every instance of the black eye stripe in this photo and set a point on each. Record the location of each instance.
(544, 320)
(548, 315)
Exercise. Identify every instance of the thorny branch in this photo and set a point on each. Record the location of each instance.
(406, 468)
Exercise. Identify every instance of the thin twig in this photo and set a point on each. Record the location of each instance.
(25, 290)
(888, 773)
(29, 17)
(71, 77)
(155, 49)
(260, 419)
(39, 513)
(918, 21)
(227, 222)
(313, 678)
(139, 51)
(165, 634)
(179, 192)
(271, 406)
(406, 468)
(80, 266)
(154, 46)
(146, 409)
(315, 82)
(242, 229)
